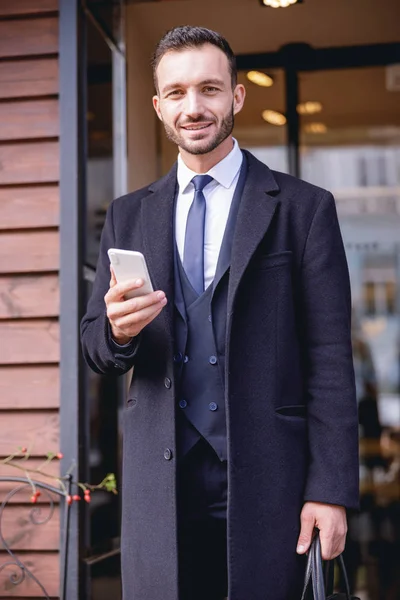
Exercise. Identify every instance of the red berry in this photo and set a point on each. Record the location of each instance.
(24, 450)
(33, 499)
(60, 455)
(37, 494)
(69, 499)
(76, 498)
(87, 492)
(88, 498)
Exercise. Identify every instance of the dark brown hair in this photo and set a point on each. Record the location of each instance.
(181, 38)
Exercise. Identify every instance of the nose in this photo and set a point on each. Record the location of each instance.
(193, 106)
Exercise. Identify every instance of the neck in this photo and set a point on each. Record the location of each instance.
(201, 163)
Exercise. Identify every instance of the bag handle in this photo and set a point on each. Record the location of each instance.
(329, 574)
(315, 573)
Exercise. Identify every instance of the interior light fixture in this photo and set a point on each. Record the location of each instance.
(273, 117)
(309, 108)
(280, 3)
(260, 78)
(315, 128)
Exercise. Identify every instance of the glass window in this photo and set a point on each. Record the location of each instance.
(369, 298)
(266, 139)
(351, 146)
(103, 394)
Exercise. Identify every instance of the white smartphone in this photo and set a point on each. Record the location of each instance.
(128, 264)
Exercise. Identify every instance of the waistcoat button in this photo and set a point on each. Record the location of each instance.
(182, 403)
(178, 357)
(213, 406)
(167, 454)
(213, 360)
(186, 359)
(167, 382)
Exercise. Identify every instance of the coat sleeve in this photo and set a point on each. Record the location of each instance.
(333, 475)
(101, 353)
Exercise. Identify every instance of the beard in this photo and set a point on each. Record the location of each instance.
(193, 146)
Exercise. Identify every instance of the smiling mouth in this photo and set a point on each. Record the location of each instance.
(196, 127)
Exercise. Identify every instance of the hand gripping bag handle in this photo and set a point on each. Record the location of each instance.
(315, 574)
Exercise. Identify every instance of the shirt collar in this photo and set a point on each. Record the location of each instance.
(223, 172)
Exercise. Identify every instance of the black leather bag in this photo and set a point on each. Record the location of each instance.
(318, 583)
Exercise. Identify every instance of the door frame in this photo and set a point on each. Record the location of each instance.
(74, 414)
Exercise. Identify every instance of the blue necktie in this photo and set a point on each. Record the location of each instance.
(193, 255)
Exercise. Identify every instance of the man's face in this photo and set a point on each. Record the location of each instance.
(195, 99)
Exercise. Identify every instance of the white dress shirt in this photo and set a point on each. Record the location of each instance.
(219, 195)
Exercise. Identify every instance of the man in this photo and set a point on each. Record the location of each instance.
(240, 432)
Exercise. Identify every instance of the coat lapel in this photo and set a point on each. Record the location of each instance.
(255, 214)
(157, 220)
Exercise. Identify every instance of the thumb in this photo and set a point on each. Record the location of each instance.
(306, 532)
(113, 280)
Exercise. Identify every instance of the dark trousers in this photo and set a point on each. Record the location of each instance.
(202, 560)
(202, 540)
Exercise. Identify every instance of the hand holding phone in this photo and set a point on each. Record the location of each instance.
(129, 265)
(130, 306)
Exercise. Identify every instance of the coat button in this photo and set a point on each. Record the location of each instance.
(213, 406)
(178, 357)
(185, 359)
(210, 318)
(167, 382)
(167, 454)
(212, 360)
(182, 403)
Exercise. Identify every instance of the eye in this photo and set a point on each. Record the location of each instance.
(211, 89)
(175, 94)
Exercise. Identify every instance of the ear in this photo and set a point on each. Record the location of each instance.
(156, 106)
(239, 94)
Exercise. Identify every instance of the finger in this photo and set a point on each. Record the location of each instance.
(132, 332)
(141, 302)
(327, 545)
(118, 291)
(116, 310)
(131, 324)
(144, 323)
(306, 532)
(332, 544)
(113, 280)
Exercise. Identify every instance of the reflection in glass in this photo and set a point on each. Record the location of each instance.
(369, 298)
(101, 402)
(265, 140)
(357, 156)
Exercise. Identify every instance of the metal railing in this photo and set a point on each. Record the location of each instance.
(40, 514)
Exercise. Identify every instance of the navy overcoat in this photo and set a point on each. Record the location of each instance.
(290, 398)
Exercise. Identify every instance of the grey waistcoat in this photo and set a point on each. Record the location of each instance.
(200, 331)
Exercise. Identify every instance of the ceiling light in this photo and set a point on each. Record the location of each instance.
(280, 3)
(273, 117)
(309, 108)
(260, 78)
(315, 128)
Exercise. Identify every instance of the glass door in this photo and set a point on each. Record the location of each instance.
(103, 396)
(350, 144)
(261, 125)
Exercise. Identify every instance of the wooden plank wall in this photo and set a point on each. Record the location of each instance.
(29, 263)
